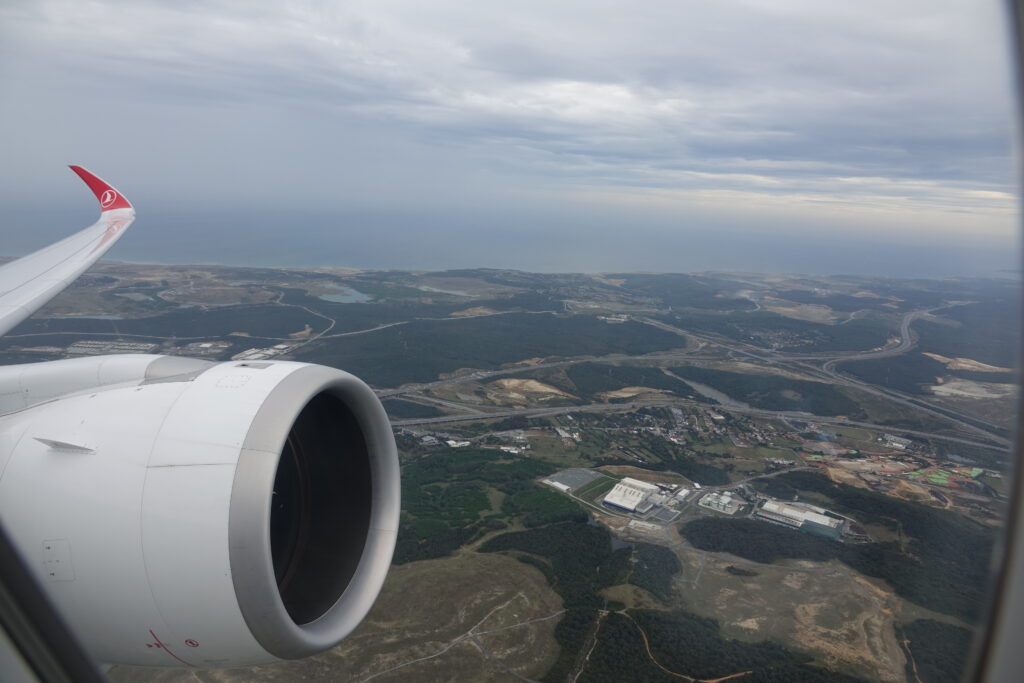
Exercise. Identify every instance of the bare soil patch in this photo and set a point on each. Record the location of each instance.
(527, 386)
(963, 388)
(815, 313)
(629, 392)
(966, 364)
(472, 312)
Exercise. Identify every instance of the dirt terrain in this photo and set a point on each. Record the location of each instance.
(824, 609)
(434, 621)
(915, 493)
(963, 388)
(966, 364)
(815, 313)
(519, 392)
(630, 392)
(470, 312)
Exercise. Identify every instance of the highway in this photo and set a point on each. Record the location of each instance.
(800, 363)
(481, 375)
(666, 403)
(806, 364)
(906, 341)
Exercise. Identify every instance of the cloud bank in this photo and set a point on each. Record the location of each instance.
(749, 114)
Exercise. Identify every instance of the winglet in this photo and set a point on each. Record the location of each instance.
(108, 197)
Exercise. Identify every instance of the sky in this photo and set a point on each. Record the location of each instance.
(582, 135)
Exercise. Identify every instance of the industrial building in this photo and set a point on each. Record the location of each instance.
(207, 349)
(632, 495)
(572, 479)
(558, 485)
(263, 354)
(724, 501)
(810, 519)
(97, 348)
(253, 354)
(896, 442)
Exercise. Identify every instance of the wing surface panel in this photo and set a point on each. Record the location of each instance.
(27, 283)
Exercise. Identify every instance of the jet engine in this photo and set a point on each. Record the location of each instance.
(184, 513)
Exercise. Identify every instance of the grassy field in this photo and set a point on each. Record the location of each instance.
(548, 446)
(745, 461)
(595, 489)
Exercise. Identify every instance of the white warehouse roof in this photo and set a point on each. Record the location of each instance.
(798, 514)
(629, 494)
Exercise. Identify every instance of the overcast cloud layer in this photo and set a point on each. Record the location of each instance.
(803, 118)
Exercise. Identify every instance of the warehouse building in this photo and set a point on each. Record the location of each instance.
(896, 442)
(724, 501)
(99, 348)
(631, 495)
(811, 520)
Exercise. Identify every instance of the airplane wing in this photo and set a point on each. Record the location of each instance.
(29, 282)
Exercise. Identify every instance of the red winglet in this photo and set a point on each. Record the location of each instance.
(108, 197)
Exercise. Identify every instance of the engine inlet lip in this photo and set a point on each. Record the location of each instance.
(249, 538)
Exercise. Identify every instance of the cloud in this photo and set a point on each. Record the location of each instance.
(897, 112)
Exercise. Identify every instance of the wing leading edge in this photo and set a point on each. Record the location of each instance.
(29, 282)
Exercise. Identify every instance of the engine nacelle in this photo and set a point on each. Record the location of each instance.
(235, 514)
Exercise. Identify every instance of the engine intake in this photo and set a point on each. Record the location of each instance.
(326, 512)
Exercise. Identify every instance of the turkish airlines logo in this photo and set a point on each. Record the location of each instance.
(107, 198)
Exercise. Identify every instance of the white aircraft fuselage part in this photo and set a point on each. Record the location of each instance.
(180, 512)
(155, 523)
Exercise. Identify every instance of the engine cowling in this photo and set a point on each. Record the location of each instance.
(229, 515)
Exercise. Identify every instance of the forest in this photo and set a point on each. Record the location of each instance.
(422, 350)
(693, 645)
(653, 569)
(676, 459)
(571, 633)
(537, 506)
(837, 302)
(914, 372)
(774, 392)
(580, 556)
(681, 290)
(757, 541)
(939, 650)
(589, 379)
(772, 331)
(578, 561)
(943, 567)
(910, 372)
(983, 330)
(690, 646)
(399, 409)
(444, 500)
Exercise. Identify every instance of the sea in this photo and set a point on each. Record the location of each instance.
(409, 242)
